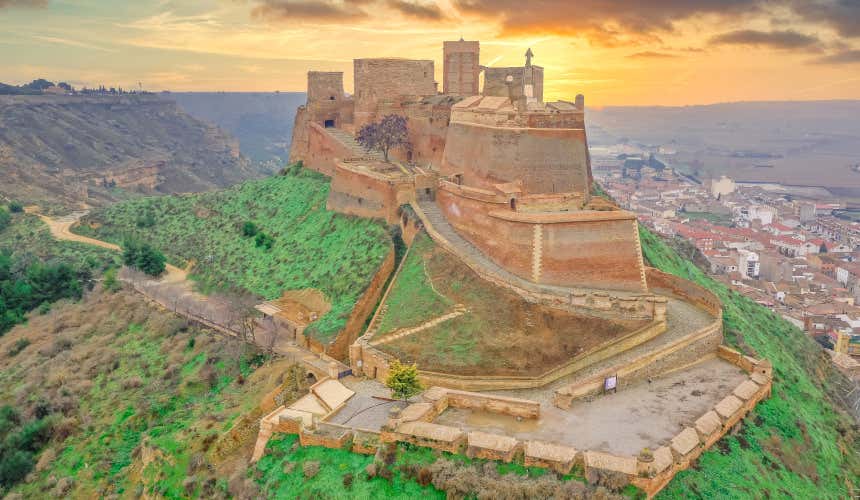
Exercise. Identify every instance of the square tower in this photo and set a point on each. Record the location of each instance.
(460, 67)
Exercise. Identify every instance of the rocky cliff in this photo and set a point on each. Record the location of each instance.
(74, 150)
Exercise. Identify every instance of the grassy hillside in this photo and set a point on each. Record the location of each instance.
(310, 247)
(36, 270)
(136, 401)
(797, 443)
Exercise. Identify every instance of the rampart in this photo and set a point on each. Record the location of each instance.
(544, 160)
(585, 249)
(369, 189)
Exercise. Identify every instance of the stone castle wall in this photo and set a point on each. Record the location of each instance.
(547, 160)
(495, 81)
(590, 249)
(389, 80)
(461, 67)
(359, 193)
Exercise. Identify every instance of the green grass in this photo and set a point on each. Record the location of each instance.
(334, 464)
(797, 443)
(412, 299)
(312, 247)
(29, 239)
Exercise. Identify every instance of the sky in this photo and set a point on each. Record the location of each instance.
(615, 52)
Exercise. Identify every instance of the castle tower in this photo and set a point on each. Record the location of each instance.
(461, 65)
(326, 97)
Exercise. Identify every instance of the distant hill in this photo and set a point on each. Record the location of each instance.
(67, 150)
(262, 121)
(806, 143)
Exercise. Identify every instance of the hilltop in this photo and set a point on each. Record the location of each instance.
(64, 151)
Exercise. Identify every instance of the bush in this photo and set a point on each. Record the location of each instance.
(16, 207)
(143, 257)
(111, 283)
(310, 469)
(18, 346)
(347, 480)
(264, 240)
(5, 219)
(145, 220)
(249, 229)
(371, 470)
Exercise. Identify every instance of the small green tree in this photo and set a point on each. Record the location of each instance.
(5, 219)
(143, 257)
(16, 207)
(403, 380)
(263, 240)
(249, 229)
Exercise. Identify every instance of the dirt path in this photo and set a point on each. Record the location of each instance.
(61, 229)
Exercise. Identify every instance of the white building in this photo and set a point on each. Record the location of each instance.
(748, 264)
(722, 186)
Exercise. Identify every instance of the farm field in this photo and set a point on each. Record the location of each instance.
(292, 243)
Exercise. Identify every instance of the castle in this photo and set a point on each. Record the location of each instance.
(497, 185)
(510, 173)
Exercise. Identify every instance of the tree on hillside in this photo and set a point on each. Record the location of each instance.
(143, 257)
(390, 132)
(403, 380)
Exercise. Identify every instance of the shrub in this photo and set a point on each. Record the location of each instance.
(5, 219)
(425, 477)
(111, 283)
(16, 207)
(145, 220)
(347, 480)
(403, 380)
(18, 346)
(143, 257)
(249, 229)
(371, 470)
(310, 469)
(263, 240)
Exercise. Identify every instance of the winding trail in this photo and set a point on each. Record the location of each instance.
(176, 281)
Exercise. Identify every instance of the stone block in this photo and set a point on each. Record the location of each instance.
(557, 457)
(663, 459)
(746, 390)
(434, 393)
(491, 446)
(708, 425)
(418, 411)
(759, 378)
(607, 461)
(685, 442)
(728, 407)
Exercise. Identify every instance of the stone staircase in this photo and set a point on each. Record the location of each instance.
(358, 151)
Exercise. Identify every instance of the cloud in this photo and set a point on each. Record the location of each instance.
(650, 54)
(31, 4)
(71, 42)
(422, 11)
(841, 15)
(842, 57)
(771, 39)
(601, 20)
(307, 10)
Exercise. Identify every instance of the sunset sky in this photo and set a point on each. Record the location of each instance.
(668, 52)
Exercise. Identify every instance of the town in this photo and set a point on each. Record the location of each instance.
(796, 256)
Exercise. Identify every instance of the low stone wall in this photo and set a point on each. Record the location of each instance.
(671, 357)
(650, 473)
(688, 290)
(374, 364)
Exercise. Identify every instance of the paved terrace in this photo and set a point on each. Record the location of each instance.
(645, 415)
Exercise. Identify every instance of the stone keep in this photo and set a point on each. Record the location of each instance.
(461, 67)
